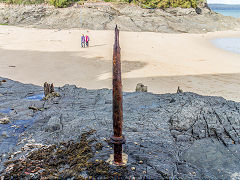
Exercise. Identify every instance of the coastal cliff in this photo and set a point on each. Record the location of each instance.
(129, 17)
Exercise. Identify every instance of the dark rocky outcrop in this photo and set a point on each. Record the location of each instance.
(141, 88)
(104, 16)
(169, 136)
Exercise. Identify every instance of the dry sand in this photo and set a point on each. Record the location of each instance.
(160, 61)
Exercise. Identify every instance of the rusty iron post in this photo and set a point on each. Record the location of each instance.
(48, 89)
(117, 139)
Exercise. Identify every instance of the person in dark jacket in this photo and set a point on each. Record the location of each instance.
(83, 41)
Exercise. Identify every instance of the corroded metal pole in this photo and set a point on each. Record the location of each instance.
(117, 139)
(48, 89)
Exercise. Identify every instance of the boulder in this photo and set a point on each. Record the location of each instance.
(141, 88)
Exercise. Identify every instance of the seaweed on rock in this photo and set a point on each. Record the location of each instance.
(64, 160)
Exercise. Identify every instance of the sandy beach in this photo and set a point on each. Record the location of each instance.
(161, 61)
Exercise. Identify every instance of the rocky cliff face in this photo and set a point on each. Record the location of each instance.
(104, 16)
(202, 3)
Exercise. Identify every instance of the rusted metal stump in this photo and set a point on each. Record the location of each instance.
(48, 89)
(117, 139)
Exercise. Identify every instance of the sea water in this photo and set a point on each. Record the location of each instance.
(226, 9)
(228, 44)
(233, 13)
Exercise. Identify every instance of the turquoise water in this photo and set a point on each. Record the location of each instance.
(233, 13)
(228, 44)
(226, 9)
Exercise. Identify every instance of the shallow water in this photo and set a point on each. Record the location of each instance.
(226, 9)
(9, 133)
(228, 44)
(233, 13)
(36, 97)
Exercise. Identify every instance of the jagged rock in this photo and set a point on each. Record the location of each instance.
(4, 119)
(141, 88)
(198, 10)
(214, 158)
(54, 124)
(181, 11)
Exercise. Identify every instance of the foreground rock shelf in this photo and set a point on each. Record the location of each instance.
(179, 136)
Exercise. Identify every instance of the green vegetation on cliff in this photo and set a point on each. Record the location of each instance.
(143, 3)
(22, 1)
(171, 3)
(60, 3)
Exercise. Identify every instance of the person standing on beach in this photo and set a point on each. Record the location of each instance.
(87, 40)
(83, 41)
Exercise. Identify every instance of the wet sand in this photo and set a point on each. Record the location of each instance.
(161, 61)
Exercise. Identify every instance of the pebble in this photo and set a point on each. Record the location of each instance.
(30, 146)
(15, 126)
(31, 140)
(4, 133)
(4, 120)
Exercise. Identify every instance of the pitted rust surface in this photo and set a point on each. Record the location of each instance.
(117, 138)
